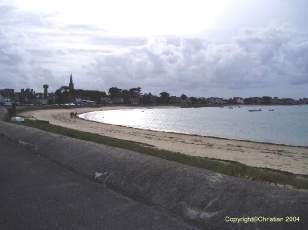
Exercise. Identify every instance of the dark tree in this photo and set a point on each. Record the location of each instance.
(164, 97)
(64, 95)
(93, 95)
(115, 92)
(193, 100)
(183, 97)
(266, 100)
(126, 96)
(148, 99)
(135, 92)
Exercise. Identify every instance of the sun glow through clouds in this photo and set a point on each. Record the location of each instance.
(196, 47)
(134, 17)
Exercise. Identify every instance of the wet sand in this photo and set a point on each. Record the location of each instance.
(282, 157)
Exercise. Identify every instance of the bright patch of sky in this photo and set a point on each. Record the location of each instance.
(134, 17)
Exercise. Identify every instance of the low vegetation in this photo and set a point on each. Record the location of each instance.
(221, 166)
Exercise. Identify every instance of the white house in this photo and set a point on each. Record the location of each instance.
(238, 100)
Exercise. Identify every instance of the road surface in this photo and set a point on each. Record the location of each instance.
(36, 193)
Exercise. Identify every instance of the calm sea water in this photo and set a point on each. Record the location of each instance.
(284, 125)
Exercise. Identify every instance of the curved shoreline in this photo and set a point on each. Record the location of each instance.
(192, 134)
(282, 157)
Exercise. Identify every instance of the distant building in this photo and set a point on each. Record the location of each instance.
(135, 100)
(105, 100)
(266, 100)
(175, 100)
(276, 101)
(215, 101)
(186, 101)
(288, 101)
(303, 100)
(1, 100)
(41, 98)
(253, 101)
(7, 93)
(238, 100)
(27, 96)
(149, 99)
(7, 97)
(45, 91)
(117, 100)
(66, 94)
(51, 98)
(5, 101)
(84, 102)
(71, 84)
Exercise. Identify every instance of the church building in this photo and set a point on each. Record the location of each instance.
(71, 84)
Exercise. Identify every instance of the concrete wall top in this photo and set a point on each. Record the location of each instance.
(199, 196)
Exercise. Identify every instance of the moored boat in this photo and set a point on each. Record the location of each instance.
(255, 110)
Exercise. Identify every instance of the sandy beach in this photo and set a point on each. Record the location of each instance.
(285, 158)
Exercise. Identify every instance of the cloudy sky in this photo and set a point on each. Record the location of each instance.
(198, 47)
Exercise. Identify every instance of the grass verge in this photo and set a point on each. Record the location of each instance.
(226, 167)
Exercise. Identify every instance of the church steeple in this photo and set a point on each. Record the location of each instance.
(71, 84)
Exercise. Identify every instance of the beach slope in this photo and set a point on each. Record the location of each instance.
(280, 157)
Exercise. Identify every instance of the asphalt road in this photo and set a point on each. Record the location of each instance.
(36, 193)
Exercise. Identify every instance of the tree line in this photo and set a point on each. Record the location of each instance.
(135, 96)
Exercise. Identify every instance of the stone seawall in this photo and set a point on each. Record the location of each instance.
(201, 197)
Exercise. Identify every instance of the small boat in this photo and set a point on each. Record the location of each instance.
(230, 107)
(255, 110)
(271, 110)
